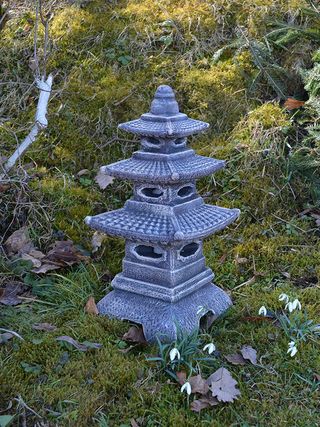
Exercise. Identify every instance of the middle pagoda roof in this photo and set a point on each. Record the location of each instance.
(164, 168)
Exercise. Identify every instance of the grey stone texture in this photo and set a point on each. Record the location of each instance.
(165, 283)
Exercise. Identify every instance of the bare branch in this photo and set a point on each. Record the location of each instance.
(41, 123)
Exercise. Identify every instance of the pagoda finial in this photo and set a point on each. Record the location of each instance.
(164, 102)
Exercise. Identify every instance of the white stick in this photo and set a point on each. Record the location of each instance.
(41, 123)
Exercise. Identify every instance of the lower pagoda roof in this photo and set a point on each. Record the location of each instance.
(164, 168)
(164, 224)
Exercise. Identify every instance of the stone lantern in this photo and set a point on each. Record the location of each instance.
(165, 283)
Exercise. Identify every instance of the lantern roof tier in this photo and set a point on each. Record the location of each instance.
(162, 223)
(164, 168)
(164, 118)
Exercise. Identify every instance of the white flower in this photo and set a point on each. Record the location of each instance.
(210, 347)
(174, 353)
(292, 348)
(186, 387)
(296, 304)
(263, 311)
(284, 297)
(289, 307)
(292, 305)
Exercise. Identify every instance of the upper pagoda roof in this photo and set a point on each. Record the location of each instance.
(164, 118)
(155, 223)
(164, 168)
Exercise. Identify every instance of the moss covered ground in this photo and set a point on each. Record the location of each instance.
(108, 58)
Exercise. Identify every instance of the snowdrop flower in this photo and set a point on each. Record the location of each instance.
(296, 304)
(289, 307)
(210, 347)
(284, 297)
(186, 387)
(263, 311)
(174, 353)
(292, 348)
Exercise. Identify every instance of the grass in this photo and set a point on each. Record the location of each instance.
(109, 59)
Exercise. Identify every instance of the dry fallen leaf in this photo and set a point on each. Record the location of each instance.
(235, 359)
(65, 253)
(83, 172)
(86, 345)
(203, 403)
(48, 327)
(34, 256)
(135, 334)
(223, 386)
(45, 268)
(97, 240)
(91, 307)
(249, 353)
(103, 180)
(198, 384)
(18, 242)
(182, 377)
(292, 104)
(9, 294)
(239, 260)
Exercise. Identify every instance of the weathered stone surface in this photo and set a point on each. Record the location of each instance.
(164, 281)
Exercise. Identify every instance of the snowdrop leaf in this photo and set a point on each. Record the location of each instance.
(223, 386)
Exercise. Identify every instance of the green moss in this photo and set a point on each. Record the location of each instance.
(110, 58)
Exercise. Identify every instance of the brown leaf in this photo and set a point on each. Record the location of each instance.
(48, 327)
(198, 384)
(203, 403)
(182, 377)
(64, 252)
(223, 386)
(86, 345)
(18, 242)
(316, 377)
(45, 268)
(135, 334)
(292, 104)
(83, 172)
(103, 180)
(91, 307)
(9, 295)
(34, 256)
(235, 359)
(249, 353)
(4, 187)
(97, 240)
(239, 260)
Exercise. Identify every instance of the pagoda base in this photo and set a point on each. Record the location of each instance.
(160, 318)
